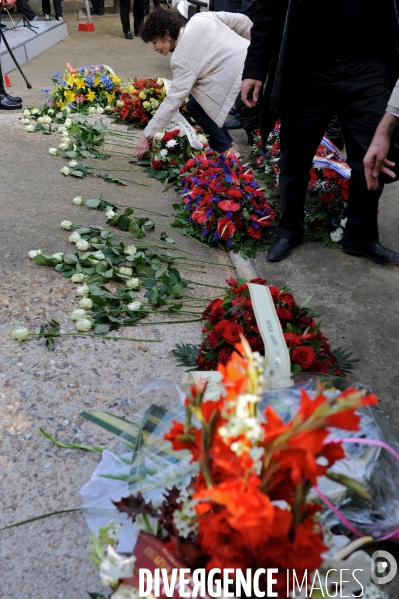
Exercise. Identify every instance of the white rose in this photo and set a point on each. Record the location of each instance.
(73, 163)
(33, 253)
(164, 152)
(64, 171)
(132, 283)
(47, 120)
(125, 591)
(100, 109)
(171, 143)
(83, 290)
(115, 566)
(58, 256)
(134, 306)
(78, 313)
(68, 123)
(78, 277)
(20, 333)
(53, 151)
(67, 225)
(82, 245)
(202, 139)
(83, 325)
(92, 110)
(78, 200)
(51, 112)
(75, 237)
(86, 303)
(110, 214)
(125, 271)
(99, 255)
(61, 129)
(65, 133)
(36, 111)
(130, 250)
(30, 128)
(160, 81)
(40, 120)
(26, 112)
(68, 111)
(63, 146)
(159, 135)
(25, 121)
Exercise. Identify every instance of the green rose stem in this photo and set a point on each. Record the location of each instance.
(97, 337)
(143, 324)
(207, 285)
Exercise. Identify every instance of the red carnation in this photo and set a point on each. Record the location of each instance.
(303, 356)
(331, 173)
(156, 164)
(232, 333)
(225, 228)
(284, 315)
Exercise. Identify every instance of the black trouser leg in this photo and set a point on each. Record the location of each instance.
(363, 100)
(26, 10)
(125, 15)
(358, 91)
(58, 7)
(138, 14)
(46, 7)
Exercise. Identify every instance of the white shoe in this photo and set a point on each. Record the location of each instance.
(59, 19)
(47, 18)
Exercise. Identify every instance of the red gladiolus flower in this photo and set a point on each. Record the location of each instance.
(225, 228)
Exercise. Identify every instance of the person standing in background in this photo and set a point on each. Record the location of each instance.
(7, 102)
(46, 7)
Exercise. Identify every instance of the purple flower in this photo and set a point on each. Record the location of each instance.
(204, 233)
(216, 236)
(209, 212)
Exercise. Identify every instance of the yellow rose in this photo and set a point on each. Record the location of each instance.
(142, 95)
(146, 105)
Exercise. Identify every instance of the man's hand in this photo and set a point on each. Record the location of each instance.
(7, 4)
(142, 146)
(250, 90)
(375, 161)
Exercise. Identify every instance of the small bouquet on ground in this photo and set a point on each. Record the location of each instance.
(139, 100)
(223, 205)
(248, 506)
(85, 87)
(327, 190)
(168, 153)
(231, 316)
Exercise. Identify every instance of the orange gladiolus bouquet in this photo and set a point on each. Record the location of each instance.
(251, 494)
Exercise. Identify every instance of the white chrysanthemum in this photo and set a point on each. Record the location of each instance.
(336, 235)
(171, 143)
(164, 152)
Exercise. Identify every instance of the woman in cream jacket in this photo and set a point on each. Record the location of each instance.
(207, 63)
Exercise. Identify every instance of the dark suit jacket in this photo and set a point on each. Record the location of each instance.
(271, 54)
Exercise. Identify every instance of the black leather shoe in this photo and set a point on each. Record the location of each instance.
(7, 104)
(15, 99)
(128, 35)
(94, 11)
(280, 249)
(234, 124)
(376, 253)
(232, 111)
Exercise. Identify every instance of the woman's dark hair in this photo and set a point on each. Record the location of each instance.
(158, 22)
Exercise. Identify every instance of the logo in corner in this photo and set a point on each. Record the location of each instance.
(383, 567)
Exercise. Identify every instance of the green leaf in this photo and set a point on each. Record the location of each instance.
(186, 355)
(44, 260)
(92, 203)
(102, 329)
(123, 222)
(70, 259)
(77, 174)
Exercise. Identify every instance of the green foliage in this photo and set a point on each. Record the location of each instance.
(186, 355)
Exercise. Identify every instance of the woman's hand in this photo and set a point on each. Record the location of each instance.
(142, 146)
